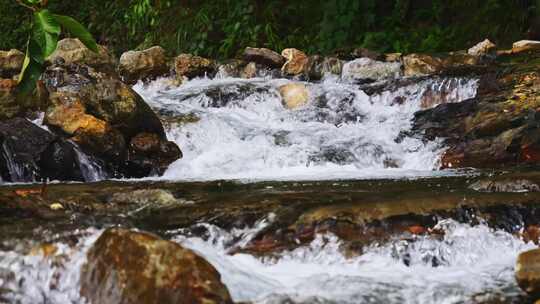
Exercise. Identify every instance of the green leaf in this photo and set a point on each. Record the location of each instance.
(26, 62)
(46, 41)
(78, 31)
(28, 80)
(34, 51)
(46, 20)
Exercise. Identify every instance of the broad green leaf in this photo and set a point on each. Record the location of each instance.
(78, 31)
(31, 75)
(34, 51)
(46, 41)
(47, 21)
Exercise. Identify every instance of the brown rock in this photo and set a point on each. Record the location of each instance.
(11, 63)
(296, 62)
(484, 48)
(142, 65)
(366, 53)
(318, 66)
(421, 64)
(69, 115)
(528, 272)
(131, 267)
(145, 143)
(525, 46)
(393, 57)
(9, 107)
(264, 56)
(71, 50)
(102, 115)
(187, 65)
(249, 71)
(294, 95)
(531, 234)
(151, 155)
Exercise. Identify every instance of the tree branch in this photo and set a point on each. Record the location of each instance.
(25, 5)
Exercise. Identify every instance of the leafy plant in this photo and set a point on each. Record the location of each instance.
(43, 40)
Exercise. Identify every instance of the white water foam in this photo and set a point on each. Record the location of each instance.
(245, 132)
(35, 279)
(468, 262)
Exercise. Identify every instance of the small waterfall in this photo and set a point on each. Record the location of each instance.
(17, 172)
(90, 169)
(243, 131)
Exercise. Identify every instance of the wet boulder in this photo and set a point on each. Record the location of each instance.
(149, 154)
(294, 95)
(231, 68)
(525, 46)
(72, 50)
(11, 63)
(484, 48)
(102, 114)
(365, 70)
(393, 57)
(421, 64)
(263, 56)
(132, 267)
(31, 153)
(143, 65)
(318, 66)
(349, 54)
(528, 272)
(296, 62)
(9, 106)
(498, 128)
(190, 66)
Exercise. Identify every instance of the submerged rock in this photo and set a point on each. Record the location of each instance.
(528, 272)
(296, 62)
(11, 63)
(190, 66)
(318, 66)
(132, 267)
(158, 197)
(72, 50)
(520, 185)
(264, 56)
(365, 69)
(103, 115)
(294, 95)
(143, 65)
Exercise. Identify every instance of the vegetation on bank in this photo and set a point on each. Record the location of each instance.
(221, 28)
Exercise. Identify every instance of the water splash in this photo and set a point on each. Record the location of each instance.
(34, 279)
(245, 132)
(90, 169)
(472, 262)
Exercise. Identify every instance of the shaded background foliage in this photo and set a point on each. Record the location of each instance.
(221, 28)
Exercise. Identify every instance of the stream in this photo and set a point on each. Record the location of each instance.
(239, 132)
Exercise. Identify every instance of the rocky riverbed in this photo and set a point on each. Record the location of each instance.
(272, 178)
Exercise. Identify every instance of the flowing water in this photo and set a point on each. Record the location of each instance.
(239, 129)
(470, 264)
(244, 131)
